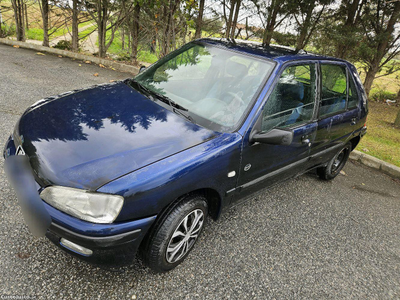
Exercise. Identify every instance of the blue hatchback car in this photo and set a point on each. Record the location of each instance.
(139, 165)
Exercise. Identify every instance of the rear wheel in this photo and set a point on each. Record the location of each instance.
(175, 235)
(336, 164)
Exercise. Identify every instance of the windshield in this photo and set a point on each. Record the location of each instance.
(213, 86)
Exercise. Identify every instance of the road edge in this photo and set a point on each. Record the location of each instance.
(375, 163)
(97, 60)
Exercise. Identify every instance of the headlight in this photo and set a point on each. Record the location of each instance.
(92, 207)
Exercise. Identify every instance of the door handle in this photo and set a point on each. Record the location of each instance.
(353, 121)
(305, 140)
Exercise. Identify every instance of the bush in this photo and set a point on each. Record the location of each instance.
(63, 45)
(381, 95)
(123, 56)
(7, 30)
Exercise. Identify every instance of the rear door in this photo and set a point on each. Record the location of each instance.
(291, 105)
(338, 112)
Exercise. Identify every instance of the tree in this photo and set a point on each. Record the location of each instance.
(235, 18)
(44, 9)
(347, 33)
(108, 16)
(307, 15)
(1, 22)
(75, 29)
(134, 31)
(272, 13)
(381, 41)
(199, 20)
(18, 8)
(167, 24)
(231, 21)
(397, 120)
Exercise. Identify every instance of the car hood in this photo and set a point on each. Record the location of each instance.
(87, 138)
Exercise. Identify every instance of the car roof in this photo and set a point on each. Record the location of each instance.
(277, 53)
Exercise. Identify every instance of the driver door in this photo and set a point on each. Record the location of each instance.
(290, 106)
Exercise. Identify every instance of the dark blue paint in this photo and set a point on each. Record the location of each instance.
(150, 189)
(91, 229)
(113, 139)
(89, 138)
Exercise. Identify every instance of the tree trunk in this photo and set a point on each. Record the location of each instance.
(122, 31)
(1, 22)
(301, 40)
(271, 22)
(229, 21)
(169, 14)
(102, 27)
(45, 18)
(397, 121)
(199, 21)
(268, 32)
(135, 32)
(234, 23)
(75, 30)
(369, 77)
(26, 17)
(309, 25)
(19, 19)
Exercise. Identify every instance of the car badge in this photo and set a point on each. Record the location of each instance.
(247, 167)
(20, 151)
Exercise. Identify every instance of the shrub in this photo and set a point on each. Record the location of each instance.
(381, 95)
(123, 56)
(7, 30)
(63, 45)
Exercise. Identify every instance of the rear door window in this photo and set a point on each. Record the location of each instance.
(353, 95)
(334, 89)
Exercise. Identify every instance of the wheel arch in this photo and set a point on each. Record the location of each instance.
(214, 202)
(354, 142)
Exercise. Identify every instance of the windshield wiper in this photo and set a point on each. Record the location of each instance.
(141, 86)
(181, 112)
(168, 100)
(177, 108)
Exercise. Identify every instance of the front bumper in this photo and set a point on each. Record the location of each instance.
(111, 244)
(112, 250)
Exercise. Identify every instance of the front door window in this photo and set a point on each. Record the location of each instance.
(292, 101)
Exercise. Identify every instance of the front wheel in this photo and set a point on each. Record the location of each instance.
(174, 237)
(336, 164)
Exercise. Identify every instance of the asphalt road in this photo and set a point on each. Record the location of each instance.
(304, 238)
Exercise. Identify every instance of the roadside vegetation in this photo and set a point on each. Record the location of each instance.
(137, 31)
(383, 138)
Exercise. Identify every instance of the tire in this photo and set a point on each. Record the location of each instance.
(336, 164)
(161, 251)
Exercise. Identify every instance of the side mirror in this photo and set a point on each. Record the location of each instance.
(142, 68)
(274, 137)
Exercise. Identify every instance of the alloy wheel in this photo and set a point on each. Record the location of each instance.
(184, 236)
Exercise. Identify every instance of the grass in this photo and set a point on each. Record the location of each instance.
(37, 33)
(84, 33)
(116, 49)
(382, 139)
